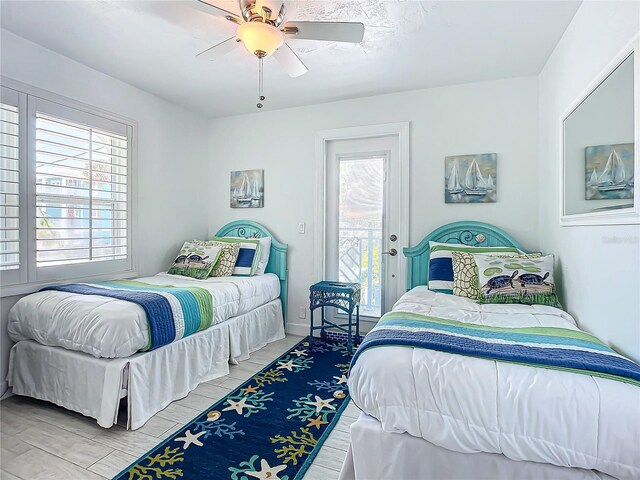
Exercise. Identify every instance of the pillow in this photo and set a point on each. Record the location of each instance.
(228, 256)
(441, 263)
(265, 251)
(517, 280)
(248, 255)
(465, 273)
(195, 261)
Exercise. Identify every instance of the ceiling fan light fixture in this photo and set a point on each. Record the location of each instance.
(261, 39)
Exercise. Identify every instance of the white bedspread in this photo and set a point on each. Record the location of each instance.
(110, 328)
(470, 404)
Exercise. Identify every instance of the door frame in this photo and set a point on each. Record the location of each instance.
(401, 130)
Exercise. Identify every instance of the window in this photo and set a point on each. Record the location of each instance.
(360, 226)
(76, 222)
(81, 193)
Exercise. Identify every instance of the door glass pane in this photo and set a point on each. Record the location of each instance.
(360, 228)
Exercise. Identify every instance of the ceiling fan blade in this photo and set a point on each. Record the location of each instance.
(208, 7)
(290, 61)
(280, 18)
(352, 32)
(219, 50)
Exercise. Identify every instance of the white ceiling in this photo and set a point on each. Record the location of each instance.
(407, 45)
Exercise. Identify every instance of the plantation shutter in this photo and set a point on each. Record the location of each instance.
(12, 168)
(81, 189)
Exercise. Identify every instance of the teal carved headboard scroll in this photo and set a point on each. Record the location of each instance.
(277, 258)
(471, 233)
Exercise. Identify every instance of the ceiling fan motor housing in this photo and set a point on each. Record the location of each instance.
(261, 39)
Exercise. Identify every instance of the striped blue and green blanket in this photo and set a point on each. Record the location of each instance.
(546, 347)
(172, 312)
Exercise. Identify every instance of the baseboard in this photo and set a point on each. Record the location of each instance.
(300, 329)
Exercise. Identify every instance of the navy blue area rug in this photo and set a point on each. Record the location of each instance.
(272, 426)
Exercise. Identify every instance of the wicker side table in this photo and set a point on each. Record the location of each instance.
(344, 296)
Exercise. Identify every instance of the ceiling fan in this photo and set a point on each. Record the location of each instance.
(263, 35)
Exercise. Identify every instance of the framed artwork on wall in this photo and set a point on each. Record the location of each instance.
(471, 178)
(247, 189)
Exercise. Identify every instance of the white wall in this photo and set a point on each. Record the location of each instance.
(171, 155)
(600, 266)
(498, 116)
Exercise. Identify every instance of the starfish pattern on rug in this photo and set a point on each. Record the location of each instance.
(316, 422)
(249, 389)
(267, 472)
(298, 352)
(342, 379)
(285, 366)
(238, 406)
(190, 439)
(320, 403)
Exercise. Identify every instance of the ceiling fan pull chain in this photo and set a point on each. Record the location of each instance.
(260, 82)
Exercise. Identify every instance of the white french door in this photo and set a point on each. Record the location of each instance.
(362, 219)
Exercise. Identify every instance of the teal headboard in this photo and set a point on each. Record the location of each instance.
(476, 234)
(277, 258)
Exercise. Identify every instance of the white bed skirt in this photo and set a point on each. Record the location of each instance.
(376, 454)
(151, 380)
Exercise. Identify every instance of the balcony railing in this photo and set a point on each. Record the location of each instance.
(360, 259)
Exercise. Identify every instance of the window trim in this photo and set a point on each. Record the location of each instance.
(29, 281)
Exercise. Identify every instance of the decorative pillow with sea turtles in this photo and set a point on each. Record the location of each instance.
(195, 261)
(525, 279)
(465, 273)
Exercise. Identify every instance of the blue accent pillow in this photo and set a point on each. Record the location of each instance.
(248, 254)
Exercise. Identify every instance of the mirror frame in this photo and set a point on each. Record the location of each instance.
(611, 217)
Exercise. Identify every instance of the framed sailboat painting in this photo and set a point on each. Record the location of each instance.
(471, 178)
(247, 189)
(609, 172)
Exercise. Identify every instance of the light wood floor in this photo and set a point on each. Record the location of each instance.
(39, 440)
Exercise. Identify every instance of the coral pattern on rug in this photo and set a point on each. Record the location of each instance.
(270, 427)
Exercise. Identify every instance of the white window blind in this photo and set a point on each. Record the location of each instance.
(81, 192)
(9, 188)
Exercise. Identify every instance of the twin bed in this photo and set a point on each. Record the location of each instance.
(432, 413)
(427, 412)
(82, 352)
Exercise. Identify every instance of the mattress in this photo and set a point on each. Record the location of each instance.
(111, 328)
(150, 380)
(374, 453)
(469, 405)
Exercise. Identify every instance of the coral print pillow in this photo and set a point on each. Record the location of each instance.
(527, 280)
(195, 261)
(228, 256)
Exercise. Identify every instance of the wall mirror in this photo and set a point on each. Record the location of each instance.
(600, 148)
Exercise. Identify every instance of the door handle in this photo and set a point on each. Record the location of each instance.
(393, 252)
